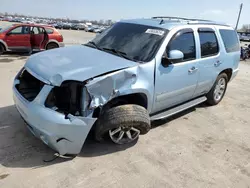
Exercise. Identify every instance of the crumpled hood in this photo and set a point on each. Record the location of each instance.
(77, 63)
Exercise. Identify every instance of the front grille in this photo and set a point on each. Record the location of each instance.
(29, 87)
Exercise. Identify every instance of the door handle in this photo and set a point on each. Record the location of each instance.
(217, 63)
(193, 69)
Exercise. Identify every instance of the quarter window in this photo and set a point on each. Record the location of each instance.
(230, 40)
(49, 31)
(185, 43)
(209, 43)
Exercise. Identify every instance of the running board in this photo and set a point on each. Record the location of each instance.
(178, 109)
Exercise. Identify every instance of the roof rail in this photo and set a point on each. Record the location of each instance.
(188, 20)
(179, 18)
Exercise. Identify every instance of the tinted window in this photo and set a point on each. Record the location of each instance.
(209, 44)
(49, 31)
(17, 30)
(138, 42)
(185, 43)
(230, 40)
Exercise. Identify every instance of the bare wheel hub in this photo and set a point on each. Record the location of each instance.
(124, 135)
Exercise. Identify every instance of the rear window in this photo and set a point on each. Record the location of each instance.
(230, 40)
(49, 31)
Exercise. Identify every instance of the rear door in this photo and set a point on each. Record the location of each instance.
(18, 38)
(209, 59)
(45, 40)
(37, 37)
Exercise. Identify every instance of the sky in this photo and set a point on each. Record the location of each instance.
(218, 10)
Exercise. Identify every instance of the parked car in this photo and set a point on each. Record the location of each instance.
(66, 26)
(244, 36)
(90, 28)
(136, 72)
(78, 27)
(20, 37)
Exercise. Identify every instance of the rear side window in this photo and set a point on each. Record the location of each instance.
(184, 42)
(49, 31)
(209, 43)
(230, 40)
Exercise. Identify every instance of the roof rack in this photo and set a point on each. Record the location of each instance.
(179, 18)
(188, 20)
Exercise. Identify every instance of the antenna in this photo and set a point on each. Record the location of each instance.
(241, 6)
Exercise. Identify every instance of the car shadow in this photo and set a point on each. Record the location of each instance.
(20, 149)
(9, 57)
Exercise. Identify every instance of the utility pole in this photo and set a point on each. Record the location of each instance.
(241, 6)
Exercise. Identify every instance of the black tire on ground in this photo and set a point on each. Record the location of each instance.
(211, 96)
(51, 46)
(1, 49)
(122, 116)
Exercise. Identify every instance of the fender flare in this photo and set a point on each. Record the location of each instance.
(4, 44)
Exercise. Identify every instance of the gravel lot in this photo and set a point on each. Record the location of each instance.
(202, 147)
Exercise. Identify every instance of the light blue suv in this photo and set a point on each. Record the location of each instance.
(135, 72)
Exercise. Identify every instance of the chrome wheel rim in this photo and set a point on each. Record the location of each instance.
(219, 89)
(124, 135)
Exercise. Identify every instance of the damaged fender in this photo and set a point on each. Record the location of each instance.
(127, 81)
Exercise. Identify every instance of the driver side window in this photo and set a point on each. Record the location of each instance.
(17, 30)
(184, 42)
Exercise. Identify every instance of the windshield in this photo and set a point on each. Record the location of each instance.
(137, 42)
(5, 28)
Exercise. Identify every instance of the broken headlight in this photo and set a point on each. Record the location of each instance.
(86, 99)
(70, 98)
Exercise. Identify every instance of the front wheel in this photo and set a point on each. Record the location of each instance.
(218, 91)
(1, 49)
(123, 124)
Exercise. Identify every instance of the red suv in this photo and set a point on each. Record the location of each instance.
(24, 37)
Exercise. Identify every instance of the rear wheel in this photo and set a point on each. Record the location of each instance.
(218, 90)
(123, 124)
(52, 46)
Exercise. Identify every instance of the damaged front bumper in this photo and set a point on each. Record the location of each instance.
(65, 134)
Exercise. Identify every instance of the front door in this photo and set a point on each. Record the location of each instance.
(18, 38)
(177, 82)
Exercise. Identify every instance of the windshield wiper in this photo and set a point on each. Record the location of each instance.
(94, 44)
(121, 54)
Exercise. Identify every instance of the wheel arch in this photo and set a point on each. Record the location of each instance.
(228, 72)
(140, 99)
(52, 42)
(4, 45)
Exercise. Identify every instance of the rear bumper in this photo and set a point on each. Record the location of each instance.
(66, 136)
(234, 74)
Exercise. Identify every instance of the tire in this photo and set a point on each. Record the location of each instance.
(51, 46)
(127, 118)
(1, 49)
(211, 96)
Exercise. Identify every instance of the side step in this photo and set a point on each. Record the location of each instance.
(177, 109)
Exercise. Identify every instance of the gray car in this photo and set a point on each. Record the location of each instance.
(135, 72)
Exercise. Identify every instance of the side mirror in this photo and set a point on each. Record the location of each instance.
(174, 56)
(8, 34)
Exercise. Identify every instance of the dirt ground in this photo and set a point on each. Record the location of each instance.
(202, 147)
